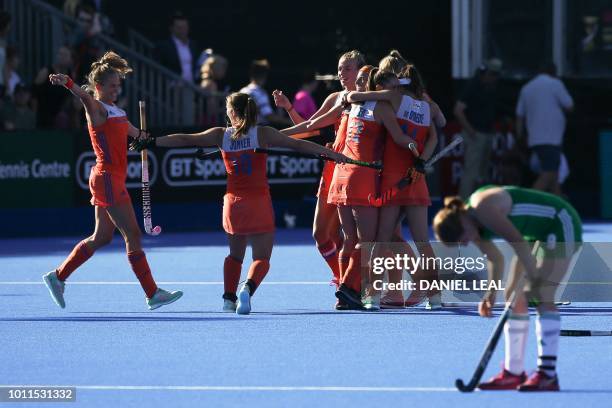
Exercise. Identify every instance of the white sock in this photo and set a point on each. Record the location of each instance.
(516, 331)
(548, 329)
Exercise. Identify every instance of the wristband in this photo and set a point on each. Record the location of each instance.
(69, 83)
(290, 109)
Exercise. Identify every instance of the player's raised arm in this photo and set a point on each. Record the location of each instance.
(93, 108)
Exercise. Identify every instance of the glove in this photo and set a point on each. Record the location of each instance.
(419, 165)
(144, 141)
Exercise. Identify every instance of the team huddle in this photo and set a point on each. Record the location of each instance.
(382, 115)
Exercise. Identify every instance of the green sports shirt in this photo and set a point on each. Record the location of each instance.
(539, 216)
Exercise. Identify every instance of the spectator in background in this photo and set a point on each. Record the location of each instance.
(179, 53)
(265, 114)
(85, 41)
(71, 9)
(54, 103)
(541, 106)
(476, 111)
(5, 27)
(9, 73)
(18, 114)
(212, 75)
(303, 102)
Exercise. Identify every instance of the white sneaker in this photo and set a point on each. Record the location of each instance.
(229, 306)
(244, 301)
(434, 302)
(56, 288)
(162, 297)
(371, 303)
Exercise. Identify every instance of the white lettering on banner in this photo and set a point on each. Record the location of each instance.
(209, 168)
(291, 166)
(50, 170)
(87, 160)
(14, 171)
(36, 169)
(180, 168)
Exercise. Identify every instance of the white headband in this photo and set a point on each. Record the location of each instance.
(404, 81)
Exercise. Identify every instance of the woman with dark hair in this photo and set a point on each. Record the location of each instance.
(247, 206)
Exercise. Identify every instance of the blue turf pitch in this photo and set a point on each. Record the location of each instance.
(293, 350)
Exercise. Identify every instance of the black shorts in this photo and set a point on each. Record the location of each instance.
(549, 157)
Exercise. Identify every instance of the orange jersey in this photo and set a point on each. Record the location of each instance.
(364, 136)
(338, 146)
(109, 141)
(352, 185)
(246, 170)
(414, 118)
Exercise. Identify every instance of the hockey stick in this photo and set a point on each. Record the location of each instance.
(580, 333)
(493, 340)
(388, 195)
(146, 192)
(373, 165)
(203, 155)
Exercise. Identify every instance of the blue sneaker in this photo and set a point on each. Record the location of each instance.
(244, 300)
(56, 288)
(163, 297)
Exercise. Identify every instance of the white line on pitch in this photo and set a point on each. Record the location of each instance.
(160, 283)
(238, 388)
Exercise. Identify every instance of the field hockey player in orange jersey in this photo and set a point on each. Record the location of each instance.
(248, 215)
(414, 115)
(351, 185)
(109, 129)
(326, 224)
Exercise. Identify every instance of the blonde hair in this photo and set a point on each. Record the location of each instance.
(110, 63)
(354, 55)
(447, 222)
(245, 109)
(393, 62)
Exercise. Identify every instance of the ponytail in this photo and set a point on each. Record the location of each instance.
(110, 63)
(447, 224)
(416, 84)
(393, 62)
(454, 203)
(371, 81)
(379, 77)
(245, 109)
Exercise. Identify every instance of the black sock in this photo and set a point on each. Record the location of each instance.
(252, 286)
(230, 296)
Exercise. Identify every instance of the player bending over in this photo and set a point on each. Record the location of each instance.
(522, 217)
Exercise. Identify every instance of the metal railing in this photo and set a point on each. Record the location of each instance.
(140, 44)
(39, 29)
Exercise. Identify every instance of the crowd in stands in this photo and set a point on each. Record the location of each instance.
(28, 103)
